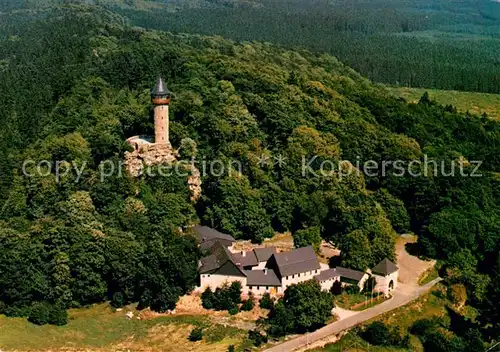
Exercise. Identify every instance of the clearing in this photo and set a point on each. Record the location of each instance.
(476, 103)
(100, 328)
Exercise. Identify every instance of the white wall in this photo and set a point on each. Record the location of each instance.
(214, 281)
(296, 278)
(260, 290)
(383, 282)
(327, 284)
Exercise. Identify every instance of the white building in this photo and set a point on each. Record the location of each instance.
(264, 270)
(296, 266)
(343, 275)
(385, 274)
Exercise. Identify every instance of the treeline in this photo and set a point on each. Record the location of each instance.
(429, 44)
(75, 243)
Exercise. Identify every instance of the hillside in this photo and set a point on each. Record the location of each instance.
(441, 44)
(75, 84)
(431, 44)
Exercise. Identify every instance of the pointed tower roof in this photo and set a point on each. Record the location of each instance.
(385, 267)
(160, 89)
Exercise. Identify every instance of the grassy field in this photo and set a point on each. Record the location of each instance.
(428, 276)
(101, 329)
(476, 103)
(430, 305)
(348, 300)
(353, 343)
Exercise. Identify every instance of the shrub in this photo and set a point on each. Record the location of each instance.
(248, 304)
(196, 334)
(231, 348)
(40, 313)
(207, 299)
(458, 295)
(441, 341)
(336, 288)
(420, 327)
(235, 292)
(2, 307)
(257, 337)
(117, 301)
(352, 289)
(58, 315)
(377, 333)
(224, 298)
(234, 310)
(266, 301)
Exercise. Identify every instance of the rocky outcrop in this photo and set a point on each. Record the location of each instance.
(194, 183)
(149, 154)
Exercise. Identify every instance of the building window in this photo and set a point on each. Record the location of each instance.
(299, 275)
(267, 287)
(258, 288)
(208, 275)
(250, 287)
(293, 276)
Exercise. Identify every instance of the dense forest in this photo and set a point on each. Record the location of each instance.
(421, 43)
(74, 84)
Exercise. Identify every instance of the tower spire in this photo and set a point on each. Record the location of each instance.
(160, 89)
(160, 97)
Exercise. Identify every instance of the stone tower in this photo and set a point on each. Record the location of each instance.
(147, 153)
(160, 97)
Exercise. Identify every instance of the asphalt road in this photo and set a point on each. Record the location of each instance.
(400, 298)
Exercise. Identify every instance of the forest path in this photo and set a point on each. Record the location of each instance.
(411, 267)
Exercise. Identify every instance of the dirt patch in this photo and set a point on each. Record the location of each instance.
(328, 250)
(168, 338)
(190, 305)
(282, 241)
(411, 267)
(187, 305)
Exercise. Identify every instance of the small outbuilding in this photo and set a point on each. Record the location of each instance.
(386, 274)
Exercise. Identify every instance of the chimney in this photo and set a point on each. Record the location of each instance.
(265, 271)
(243, 253)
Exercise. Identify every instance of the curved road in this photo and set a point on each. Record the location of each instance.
(400, 298)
